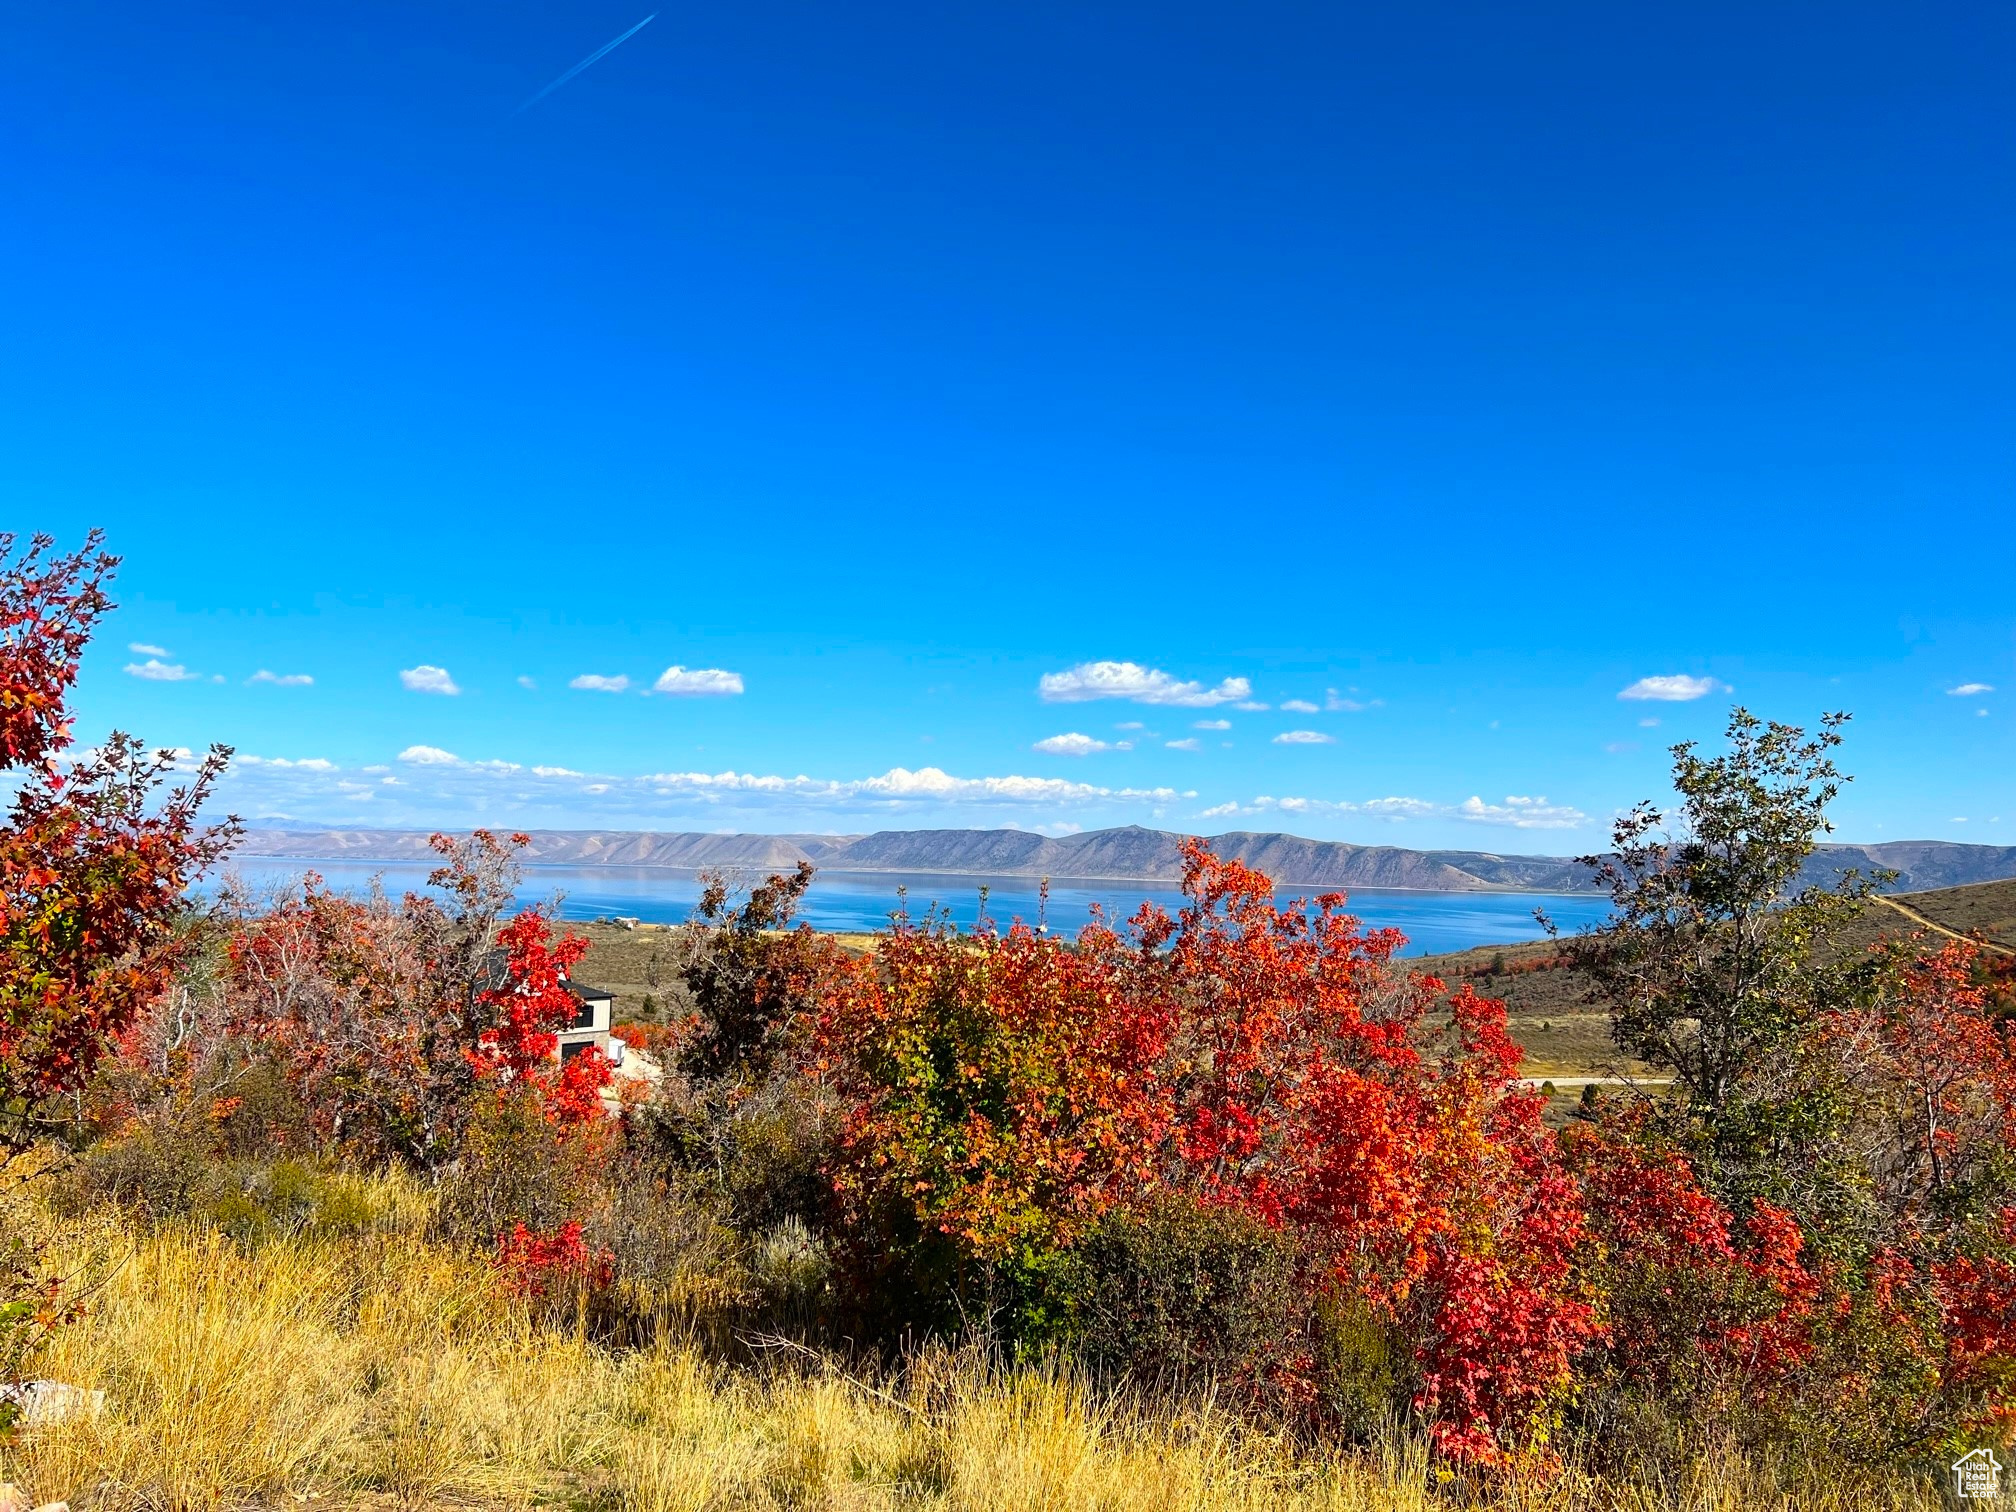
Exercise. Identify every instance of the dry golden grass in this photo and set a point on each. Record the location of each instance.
(382, 1371)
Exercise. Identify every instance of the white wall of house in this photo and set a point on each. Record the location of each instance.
(591, 1028)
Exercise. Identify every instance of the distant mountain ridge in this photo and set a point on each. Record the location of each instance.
(1130, 854)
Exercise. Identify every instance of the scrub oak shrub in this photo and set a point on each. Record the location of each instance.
(1006, 1092)
(1182, 1294)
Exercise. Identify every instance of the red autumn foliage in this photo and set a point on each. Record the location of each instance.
(1006, 1089)
(92, 869)
(524, 1012)
(1976, 1295)
(544, 1264)
(49, 605)
(1322, 1089)
(1691, 1293)
(1934, 1075)
(388, 1017)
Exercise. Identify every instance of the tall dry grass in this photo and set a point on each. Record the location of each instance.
(382, 1370)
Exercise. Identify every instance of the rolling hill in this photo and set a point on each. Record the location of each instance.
(1128, 854)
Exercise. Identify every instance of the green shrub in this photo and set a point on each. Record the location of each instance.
(253, 1201)
(792, 1273)
(516, 1167)
(155, 1173)
(674, 1259)
(157, 1177)
(1181, 1293)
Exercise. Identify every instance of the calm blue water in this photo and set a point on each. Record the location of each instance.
(1432, 921)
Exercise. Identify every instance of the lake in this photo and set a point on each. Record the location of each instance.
(861, 901)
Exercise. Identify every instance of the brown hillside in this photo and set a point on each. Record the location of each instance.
(1565, 1036)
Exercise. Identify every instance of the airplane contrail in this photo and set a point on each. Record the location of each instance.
(595, 57)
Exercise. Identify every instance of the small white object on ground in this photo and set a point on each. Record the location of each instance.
(11, 1500)
(46, 1402)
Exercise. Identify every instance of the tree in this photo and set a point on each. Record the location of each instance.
(1322, 1088)
(1932, 1117)
(745, 971)
(1716, 956)
(1006, 1091)
(94, 859)
(390, 1018)
(93, 867)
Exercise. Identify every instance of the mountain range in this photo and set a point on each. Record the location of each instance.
(1128, 854)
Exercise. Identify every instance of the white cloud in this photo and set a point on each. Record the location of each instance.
(591, 682)
(1515, 813)
(1648, 724)
(1130, 724)
(1136, 683)
(1304, 737)
(282, 679)
(1192, 744)
(902, 784)
(155, 670)
(697, 682)
(1250, 707)
(1521, 813)
(933, 783)
(526, 682)
(1965, 690)
(1677, 688)
(303, 765)
(1960, 820)
(1212, 724)
(1299, 706)
(439, 788)
(1336, 703)
(1376, 808)
(428, 679)
(141, 648)
(1402, 808)
(1072, 744)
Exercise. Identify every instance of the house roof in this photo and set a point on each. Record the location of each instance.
(495, 976)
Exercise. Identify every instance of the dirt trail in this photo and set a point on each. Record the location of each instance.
(1924, 923)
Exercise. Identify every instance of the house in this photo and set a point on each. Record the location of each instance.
(593, 1010)
(591, 1023)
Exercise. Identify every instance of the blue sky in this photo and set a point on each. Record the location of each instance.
(1449, 368)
